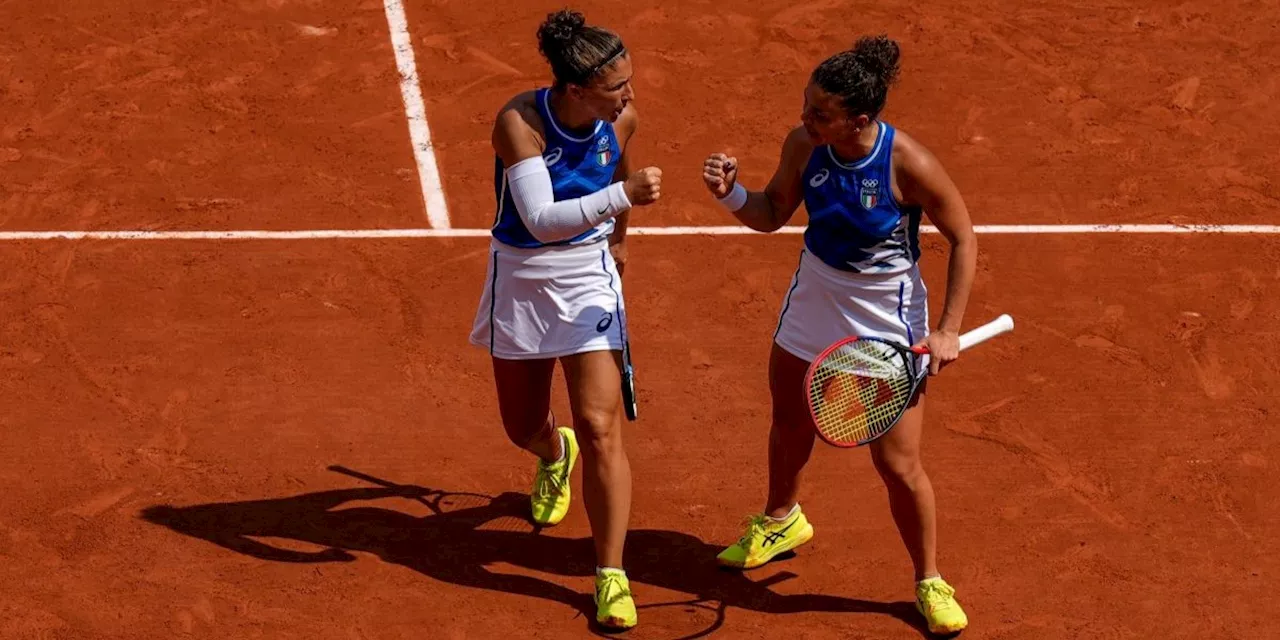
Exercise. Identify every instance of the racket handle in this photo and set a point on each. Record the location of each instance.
(1002, 324)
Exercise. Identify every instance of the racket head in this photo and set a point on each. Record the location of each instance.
(628, 384)
(858, 388)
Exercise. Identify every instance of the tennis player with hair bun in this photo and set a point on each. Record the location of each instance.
(865, 186)
(553, 291)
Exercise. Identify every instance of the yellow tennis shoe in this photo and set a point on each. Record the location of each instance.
(765, 539)
(551, 495)
(615, 609)
(935, 600)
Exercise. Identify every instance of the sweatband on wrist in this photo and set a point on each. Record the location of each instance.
(736, 199)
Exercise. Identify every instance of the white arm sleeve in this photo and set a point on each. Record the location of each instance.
(548, 220)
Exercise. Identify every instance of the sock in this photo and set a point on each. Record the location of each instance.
(790, 513)
(564, 450)
(602, 571)
(564, 447)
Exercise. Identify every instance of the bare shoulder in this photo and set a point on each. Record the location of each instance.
(517, 129)
(912, 156)
(798, 140)
(796, 149)
(919, 174)
(524, 103)
(520, 112)
(784, 188)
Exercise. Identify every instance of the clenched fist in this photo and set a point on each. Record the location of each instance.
(644, 186)
(720, 172)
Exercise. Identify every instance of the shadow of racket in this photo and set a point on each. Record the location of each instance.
(433, 499)
(719, 609)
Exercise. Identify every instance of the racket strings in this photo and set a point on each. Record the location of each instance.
(859, 390)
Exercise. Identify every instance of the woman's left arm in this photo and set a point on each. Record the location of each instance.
(925, 182)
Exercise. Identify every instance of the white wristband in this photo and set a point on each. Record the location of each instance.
(736, 199)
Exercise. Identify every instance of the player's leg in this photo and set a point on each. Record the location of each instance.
(802, 322)
(508, 324)
(595, 397)
(911, 500)
(791, 435)
(897, 459)
(782, 526)
(524, 402)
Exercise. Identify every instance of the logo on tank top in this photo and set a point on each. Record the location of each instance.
(819, 178)
(869, 193)
(603, 154)
(553, 156)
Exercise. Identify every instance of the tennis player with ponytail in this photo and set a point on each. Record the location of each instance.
(865, 186)
(553, 291)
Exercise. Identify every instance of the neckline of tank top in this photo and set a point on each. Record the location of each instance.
(544, 96)
(882, 130)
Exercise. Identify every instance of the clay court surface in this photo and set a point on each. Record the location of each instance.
(185, 424)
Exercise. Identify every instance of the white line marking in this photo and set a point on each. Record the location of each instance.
(416, 111)
(993, 229)
(320, 234)
(1267, 229)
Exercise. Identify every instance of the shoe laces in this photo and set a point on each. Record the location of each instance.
(550, 481)
(611, 588)
(755, 529)
(936, 594)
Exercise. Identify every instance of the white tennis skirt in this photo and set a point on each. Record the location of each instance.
(826, 305)
(550, 302)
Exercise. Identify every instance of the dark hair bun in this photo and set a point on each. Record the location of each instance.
(559, 30)
(879, 55)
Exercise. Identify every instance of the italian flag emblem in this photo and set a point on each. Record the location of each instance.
(869, 194)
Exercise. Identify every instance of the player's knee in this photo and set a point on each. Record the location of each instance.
(522, 438)
(899, 469)
(598, 429)
(792, 423)
(522, 431)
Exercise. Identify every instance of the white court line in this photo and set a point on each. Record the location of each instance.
(416, 111)
(319, 234)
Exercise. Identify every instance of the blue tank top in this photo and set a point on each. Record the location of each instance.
(855, 223)
(580, 164)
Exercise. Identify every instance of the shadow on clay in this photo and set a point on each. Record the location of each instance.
(453, 545)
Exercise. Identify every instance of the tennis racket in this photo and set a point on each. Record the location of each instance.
(628, 381)
(859, 387)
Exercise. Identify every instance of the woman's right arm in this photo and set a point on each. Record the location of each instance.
(529, 181)
(767, 210)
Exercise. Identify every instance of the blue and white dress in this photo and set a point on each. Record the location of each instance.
(858, 272)
(547, 300)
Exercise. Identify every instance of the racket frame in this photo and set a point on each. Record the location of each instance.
(1000, 325)
(629, 403)
(913, 369)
